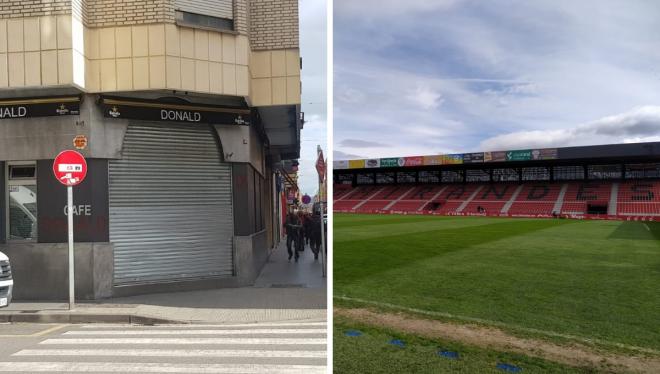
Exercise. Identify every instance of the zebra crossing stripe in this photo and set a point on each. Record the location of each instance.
(216, 353)
(88, 341)
(196, 332)
(119, 367)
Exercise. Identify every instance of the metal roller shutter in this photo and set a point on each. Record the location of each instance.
(171, 212)
(214, 8)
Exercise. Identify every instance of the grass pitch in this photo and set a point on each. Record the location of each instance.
(371, 353)
(586, 279)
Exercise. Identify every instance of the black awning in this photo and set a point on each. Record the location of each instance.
(169, 111)
(39, 107)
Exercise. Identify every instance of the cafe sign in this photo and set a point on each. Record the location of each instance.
(168, 112)
(39, 107)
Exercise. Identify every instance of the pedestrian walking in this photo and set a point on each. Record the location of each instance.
(292, 226)
(307, 226)
(315, 235)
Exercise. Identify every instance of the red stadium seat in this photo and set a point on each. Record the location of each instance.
(637, 198)
(634, 198)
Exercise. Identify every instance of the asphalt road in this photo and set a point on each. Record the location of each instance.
(247, 348)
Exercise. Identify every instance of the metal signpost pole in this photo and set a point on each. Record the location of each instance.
(70, 169)
(69, 191)
(322, 233)
(320, 168)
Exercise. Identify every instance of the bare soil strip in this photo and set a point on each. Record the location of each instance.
(505, 326)
(573, 354)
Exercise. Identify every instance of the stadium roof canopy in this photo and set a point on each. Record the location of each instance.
(627, 152)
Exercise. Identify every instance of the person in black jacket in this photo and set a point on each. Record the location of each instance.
(292, 226)
(307, 228)
(315, 235)
(300, 234)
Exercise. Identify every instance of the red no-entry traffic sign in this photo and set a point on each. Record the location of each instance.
(70, 168)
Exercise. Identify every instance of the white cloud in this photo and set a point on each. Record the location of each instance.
(357, 143)
(425, 97)
(313, 134)
(638, 124)
(313, 77)
(516, 89)
(385, 8)
(339, 155)
(385, 119)
(484, 76)
(350, 95)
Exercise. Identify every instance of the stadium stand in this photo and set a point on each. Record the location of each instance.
(639, 197)
(490, 198)
(526, 199)
(536, 198)
(341, 190)
(616, 181)
(581, 196)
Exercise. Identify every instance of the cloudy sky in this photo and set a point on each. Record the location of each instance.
(313, 53)
(423, 77)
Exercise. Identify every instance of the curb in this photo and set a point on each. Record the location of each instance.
(73, 318)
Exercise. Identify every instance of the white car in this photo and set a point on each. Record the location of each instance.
(6, 281)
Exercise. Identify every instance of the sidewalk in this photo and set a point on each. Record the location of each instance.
(284, 291)
(279, 272)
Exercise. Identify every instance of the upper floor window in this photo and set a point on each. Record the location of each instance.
(202, 21)
(209, 14)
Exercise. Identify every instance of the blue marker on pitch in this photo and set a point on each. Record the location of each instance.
(353, 333)
(509, 367)
(448, 354)
(398, 343)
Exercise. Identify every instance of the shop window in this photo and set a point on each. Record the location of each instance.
(21, 202)
(258, 214)
(258, 193)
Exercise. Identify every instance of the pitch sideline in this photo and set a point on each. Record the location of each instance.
(500, 324)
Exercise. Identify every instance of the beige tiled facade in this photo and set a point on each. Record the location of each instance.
(275, 77)
(56, 48)
(36, 51)
(166, 56)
